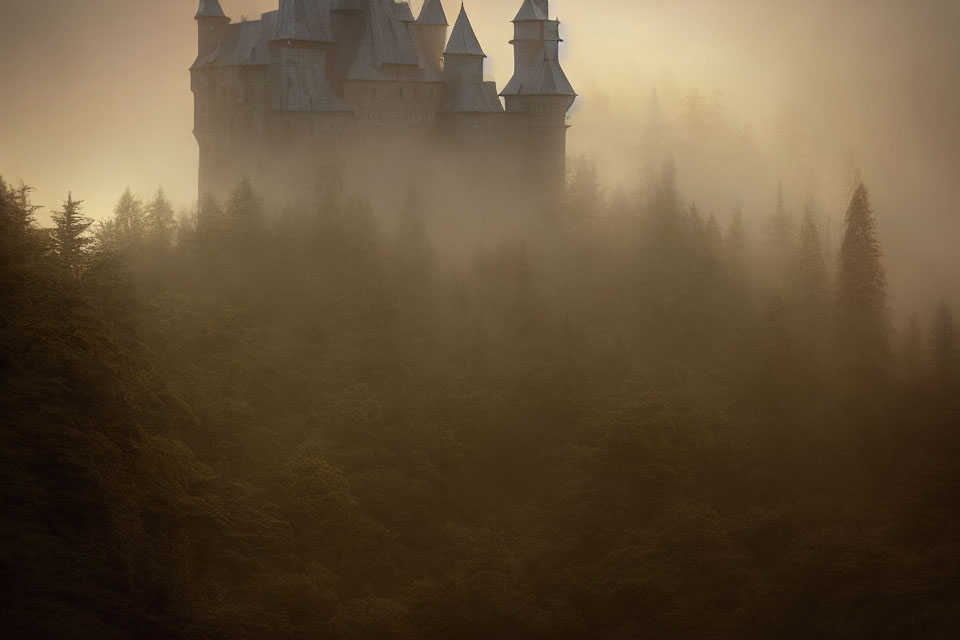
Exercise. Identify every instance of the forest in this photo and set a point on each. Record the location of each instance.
(636, 422)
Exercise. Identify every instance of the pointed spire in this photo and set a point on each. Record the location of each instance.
(210, 9)
(463, 40)
(533, 11)
(432, 13)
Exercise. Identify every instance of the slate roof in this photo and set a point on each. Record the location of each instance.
(403, 12)
(477, 97)
(432, 13)
(304, 20)
(347, 5)
(463, 40)
(532, 11)
(210, 9)
(542, 77)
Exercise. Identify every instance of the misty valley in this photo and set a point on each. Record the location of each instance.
(403, 365)
(632, 423)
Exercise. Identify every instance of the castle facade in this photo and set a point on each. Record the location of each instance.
(354, 78)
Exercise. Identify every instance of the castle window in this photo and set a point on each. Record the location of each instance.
(253, 54)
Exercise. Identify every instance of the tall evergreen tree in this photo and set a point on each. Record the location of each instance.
(862, 323)
(129, 221)
(245, 213)
(780, 248)
(810, 282)
(70, 241)
(736, 247)
(17, 217)
(160, 220)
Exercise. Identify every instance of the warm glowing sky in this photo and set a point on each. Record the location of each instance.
(95, 93)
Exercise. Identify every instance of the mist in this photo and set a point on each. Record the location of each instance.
(407, 372)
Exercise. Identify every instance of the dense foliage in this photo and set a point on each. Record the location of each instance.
(630, 424)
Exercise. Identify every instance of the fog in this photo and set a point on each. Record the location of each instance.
(102, 102)
(706, 384)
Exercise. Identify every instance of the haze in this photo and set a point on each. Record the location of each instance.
(102, 100)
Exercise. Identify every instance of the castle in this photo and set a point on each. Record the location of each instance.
(325, 77)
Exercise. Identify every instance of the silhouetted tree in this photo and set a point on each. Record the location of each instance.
(780, 247)
(736, 247)
(70, 241)
(129, 220)
(246, 213)
(810, 282)
(160, 220)
(863, 330)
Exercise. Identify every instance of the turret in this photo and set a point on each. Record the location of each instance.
(463, 57)
(539, 86)
(211, 22)
(429, 34)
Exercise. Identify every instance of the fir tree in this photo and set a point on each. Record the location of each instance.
(779, 230)
(863, 331)
(160, 220)
(811, 272)
(70, 241)
(736, 246)
(245, 212)
(128, 219)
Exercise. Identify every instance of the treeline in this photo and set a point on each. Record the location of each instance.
(636, 421)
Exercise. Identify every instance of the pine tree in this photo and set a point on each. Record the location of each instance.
(945, 349)
(862, 323)
(736, 247)
(779, 230)
(160, 220)
(17, 217)
(128, 219)
(811, 272)
(70, 242)
(245, 212)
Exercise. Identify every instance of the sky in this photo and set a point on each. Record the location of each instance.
(95, 93)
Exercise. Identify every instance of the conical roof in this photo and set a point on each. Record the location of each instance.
(532, 10)
(432, 13)
(210, 9)
(463, 40)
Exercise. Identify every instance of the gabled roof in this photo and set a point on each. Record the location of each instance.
(532, 11)
(210, 9)
(432, 13)
(463, 40)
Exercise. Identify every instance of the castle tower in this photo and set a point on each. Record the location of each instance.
(540, 88)
(211, 25)
(430, 33)
(462, 60)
